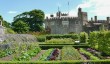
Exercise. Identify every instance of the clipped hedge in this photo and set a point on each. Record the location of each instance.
(83, 37)
(101, 41)
(73, 36)
(60, 41)
(40, 38)
(93, 39)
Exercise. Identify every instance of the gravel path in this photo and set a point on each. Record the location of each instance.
(38, 55)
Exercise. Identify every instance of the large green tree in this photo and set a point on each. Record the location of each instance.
(33, 18)
(21, 27)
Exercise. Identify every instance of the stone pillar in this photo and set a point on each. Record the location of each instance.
(95, 18)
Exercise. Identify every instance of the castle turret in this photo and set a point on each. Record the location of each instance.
(79, 13)
(58, 14)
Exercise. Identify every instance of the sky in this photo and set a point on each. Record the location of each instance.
(11, 8)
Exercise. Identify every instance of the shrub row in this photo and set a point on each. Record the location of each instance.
(58, 62)
(73, 36)
(100, 41)
(40, 38)
(60, 41)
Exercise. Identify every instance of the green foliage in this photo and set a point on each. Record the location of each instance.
(73, 36)
(101, 41)
(33, 18)
(92, 57)
(40, 38)
(44, 56)
(60, 41)
(6, 24)
(70, 53)
(20, 27)
(83, 37)
(25, 52)
(58, 62)
(93, 39)
(5, 52)
(9, 31)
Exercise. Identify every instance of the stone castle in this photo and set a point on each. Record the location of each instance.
(62, 23)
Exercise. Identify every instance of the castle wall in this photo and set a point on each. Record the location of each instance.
(64, 25)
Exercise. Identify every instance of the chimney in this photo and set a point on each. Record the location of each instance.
(91, 19)
(95, 18)
(79, 9)
(108, 20)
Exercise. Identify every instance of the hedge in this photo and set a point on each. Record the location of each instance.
(58, 62)
(101, 41)
(73, 36)
(83, 37)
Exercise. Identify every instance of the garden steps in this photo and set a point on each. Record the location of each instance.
(38, 55)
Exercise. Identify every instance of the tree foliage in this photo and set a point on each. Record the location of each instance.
(5, 23)
(33, 18)
(21, 27)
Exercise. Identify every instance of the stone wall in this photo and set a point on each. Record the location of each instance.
(64, 25)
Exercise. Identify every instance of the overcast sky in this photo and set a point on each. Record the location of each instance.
(10, 8)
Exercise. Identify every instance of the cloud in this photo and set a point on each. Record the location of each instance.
(96, 7)
(100, 8)
(12, 12)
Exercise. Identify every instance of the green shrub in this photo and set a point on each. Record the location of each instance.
(41, 38)
(9, 31)
(101, 41)
(60, 41)
(93, 39)
(73, 36)
(83, 37)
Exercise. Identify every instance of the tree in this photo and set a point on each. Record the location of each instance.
(20, 27)
(33, 18)
(4, 23)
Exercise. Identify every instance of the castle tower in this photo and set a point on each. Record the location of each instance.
(82, 16)
(79, 12)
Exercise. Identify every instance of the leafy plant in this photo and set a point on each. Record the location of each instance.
(70, 53)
